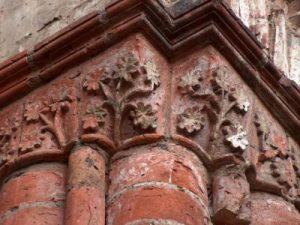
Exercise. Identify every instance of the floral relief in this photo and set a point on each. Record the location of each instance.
(264, 133)
(121, 84)
(191, 120)
(237, 139)
(190, 83)
(5, 136)
(94, 118)
(152, 75)
(143, 116)
(126, 69)
(33, 111)
(31, 142)
(51, 115)
(221, 82)
(7, 132)
(224, 103)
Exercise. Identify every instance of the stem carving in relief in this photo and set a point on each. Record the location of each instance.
(6, 135)
(51, 115)
(220, 98)
(123, 83)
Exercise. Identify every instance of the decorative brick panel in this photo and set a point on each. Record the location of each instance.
(177, 124)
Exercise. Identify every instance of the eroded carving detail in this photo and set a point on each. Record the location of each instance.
(91, 84)
(121, 84)
(230, 100)
(190, 83)
(224, 104)
(143, 116)
(276, 160)
(51, 115)
(263, 133)
(31, 142)
(152, 75)
(126, 70)
(93, 119)
(238, 139)
(191, 120)
(231, 196)
(6, 133)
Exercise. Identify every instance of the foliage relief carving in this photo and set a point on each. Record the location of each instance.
(220, 98)
(51, 114)
(123, 83)
(191, 120)
(6, 133)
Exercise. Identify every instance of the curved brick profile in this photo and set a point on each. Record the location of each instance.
(150, 112)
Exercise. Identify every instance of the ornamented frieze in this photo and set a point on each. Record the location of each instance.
(128, 97)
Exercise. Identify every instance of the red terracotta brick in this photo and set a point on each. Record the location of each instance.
(36, 216)
(231, 197)
(86, 168)
(156, 203)
(273, 210)
(85, 205)
(40, 183)
(86, 195)
(170, 164)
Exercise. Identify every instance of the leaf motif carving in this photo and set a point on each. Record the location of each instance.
(191, 120)
(190, 83)
(33, 110)
(94, 119)
(237, 140)
(143, 116)
(127, 69)
(152, 75)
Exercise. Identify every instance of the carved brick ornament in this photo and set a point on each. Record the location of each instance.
(150, 112)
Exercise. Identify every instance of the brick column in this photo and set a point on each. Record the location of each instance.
(157, 184)
(86, 188)
(34, 195)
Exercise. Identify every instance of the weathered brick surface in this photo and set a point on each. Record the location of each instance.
(157, 203)
(159, 182)
(42, 215)
(272, 210)
(149, 124)
(269, 22)
(36, 192)
(158, 163)
(86, 188)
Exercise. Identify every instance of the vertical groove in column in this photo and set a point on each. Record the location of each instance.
(86, 188)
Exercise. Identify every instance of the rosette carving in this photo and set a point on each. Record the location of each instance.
(191, 120)
(223, 103)
(143, 116)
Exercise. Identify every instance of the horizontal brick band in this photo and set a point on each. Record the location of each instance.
(28, 206)
(160, 185)
(36, 215)
(156, 203)
(154, 222)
